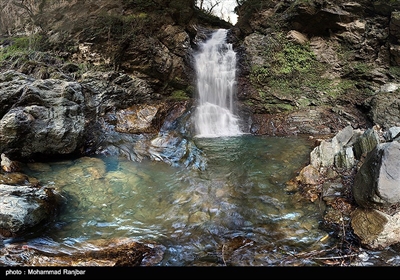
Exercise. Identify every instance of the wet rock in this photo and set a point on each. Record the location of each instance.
(331, 189)
(364, 186)
(199, 217)
(90, 168)
(345, 158)
(8, 165)
(16, 179)
(23, 207)
(176, 39)
(309, 175)
(392, 133)
(110, 252)
(139, 119)
(234, 249)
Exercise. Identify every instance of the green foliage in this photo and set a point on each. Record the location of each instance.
(291, 74)
(179, 95)
(285, 61)
(280, 107)
(260, 74)
(23, 45)
(361, 68)
(294, 58)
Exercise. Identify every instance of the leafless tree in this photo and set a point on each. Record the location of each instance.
(207, 6)
(33, 9)
(7, 16)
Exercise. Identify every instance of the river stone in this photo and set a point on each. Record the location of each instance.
(345, 158)
(199, 217)
(324, 154)
(376, 230)
(378, 180)
(366, 143)
(309, 175)
(22, 207)
(392, 133)
(8, 165)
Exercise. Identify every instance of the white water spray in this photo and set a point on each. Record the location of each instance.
(216, 84)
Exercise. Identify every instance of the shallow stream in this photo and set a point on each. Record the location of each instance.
(234, 212)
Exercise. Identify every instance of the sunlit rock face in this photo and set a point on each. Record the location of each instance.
(375, 228)
(378, 180)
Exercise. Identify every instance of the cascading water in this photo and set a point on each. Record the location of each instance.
(215, 66)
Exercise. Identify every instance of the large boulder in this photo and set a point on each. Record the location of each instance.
(384, 108)
(24, 206)
(376, 229)
(47, 116)
(377, 183)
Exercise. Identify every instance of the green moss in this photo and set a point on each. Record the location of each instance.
(249, 103)
(260, 74)
(285, 61)
(294, 58)
(190, 90)
(262, 93)
(339, 88)
(21, 47)
(361, 68)
(179, 95)
(292, 72)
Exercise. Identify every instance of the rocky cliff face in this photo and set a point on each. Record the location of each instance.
(148, 39)
(318, 64)
(310, 67)
(118, 54)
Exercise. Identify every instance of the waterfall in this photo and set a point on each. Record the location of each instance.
(215, 66)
